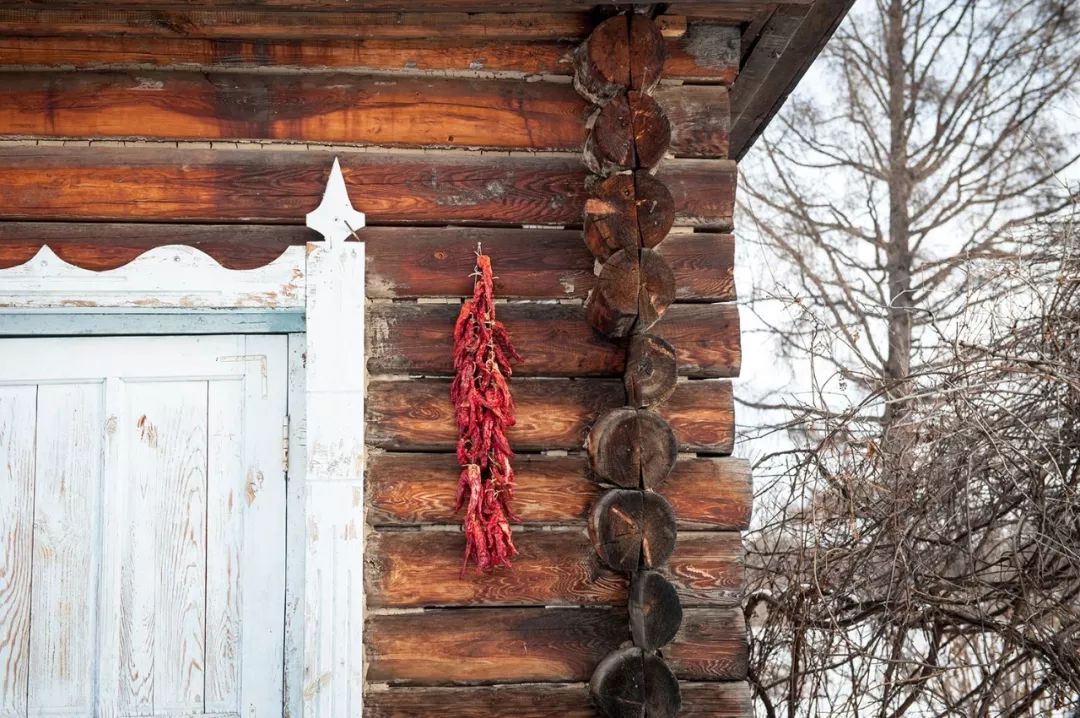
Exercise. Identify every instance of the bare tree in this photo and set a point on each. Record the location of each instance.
(916, 546)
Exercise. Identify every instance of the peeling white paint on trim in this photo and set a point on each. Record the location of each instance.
(173, 276)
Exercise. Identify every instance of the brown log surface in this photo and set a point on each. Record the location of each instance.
(408, 338)
(409, 569)
(512, 645)
(280, 186)
(338, 108)
(416, 414)
(402, 262)
(706, 52)
(415, 489)
(565, 700)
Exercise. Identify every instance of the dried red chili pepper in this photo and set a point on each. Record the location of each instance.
(484, 410)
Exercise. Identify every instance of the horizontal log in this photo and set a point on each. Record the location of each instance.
(410, 569)
(705, 52)
(406, 338)
(531, 264)
(276, 185)
(402, 262)
(566, 700)
(513, 645)
(413, 489)
(261, 24)
(417, 414)
(336, 108)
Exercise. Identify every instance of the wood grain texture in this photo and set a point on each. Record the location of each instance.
(706, 52)
(513, 645)
(551, 413)
(281, 186)
(415, 489)
(253, 23)
(338, 108)
(407, 338)
(402, 262)
(409, 569)
(566, 700)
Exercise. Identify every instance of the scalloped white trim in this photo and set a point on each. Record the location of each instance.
(172, 276)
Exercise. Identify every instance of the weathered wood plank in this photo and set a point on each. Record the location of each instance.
(262, 24)
(62, 650)
(406, 55)
(551, 413)
(402, 262)
(510, 645)
(407, 338)
(274, 185)
(415, 489)
(409, 569)
(18, 425)
(531, 264)
(566, 700)
(706, 52)
(338, 108)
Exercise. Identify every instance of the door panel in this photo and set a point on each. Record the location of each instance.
(142, 520)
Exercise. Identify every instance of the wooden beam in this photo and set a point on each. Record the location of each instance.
(275, 185)
(333, 108)
(408, 569)
(417, 339)
(752, 111)
(258, 24)
(415, 415)
(513, 645)
(705, 52)
(413, 490)
(403, 262)
(566, 700)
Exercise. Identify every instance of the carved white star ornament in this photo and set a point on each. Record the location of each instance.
(335, 218)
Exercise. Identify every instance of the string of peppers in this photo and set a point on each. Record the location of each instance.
(484, 411)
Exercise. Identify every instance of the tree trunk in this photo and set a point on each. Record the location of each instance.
(898, 251)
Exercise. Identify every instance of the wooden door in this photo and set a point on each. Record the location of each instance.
(142, 526)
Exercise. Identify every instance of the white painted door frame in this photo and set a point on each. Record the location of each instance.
(325, 283)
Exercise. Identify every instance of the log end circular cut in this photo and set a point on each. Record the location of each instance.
(651, 370)
(655, 610)
(615, 528)
(658, 449)
(630, 132)
(632, 529)
(611, 220)
(648, 52)
(663, 698)
(632, 448)
(609, 148)
(651, 130)
(657, 290)
(602, 63)
(613, 304)
(613, 448)
(658, 532)
(628, 683)
(655, 209)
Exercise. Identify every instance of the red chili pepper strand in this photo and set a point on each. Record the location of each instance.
(484, 410)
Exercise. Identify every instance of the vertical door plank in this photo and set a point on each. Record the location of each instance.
(181, 547)
(228, 492)
(70, 419)
(17, 422)
(163, 590)
(262, 572)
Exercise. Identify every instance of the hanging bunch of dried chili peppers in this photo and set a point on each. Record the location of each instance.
(484, 410)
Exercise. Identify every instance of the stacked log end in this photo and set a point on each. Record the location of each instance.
(632, 448)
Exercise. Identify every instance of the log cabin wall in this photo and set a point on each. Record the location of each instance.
(123, 129)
